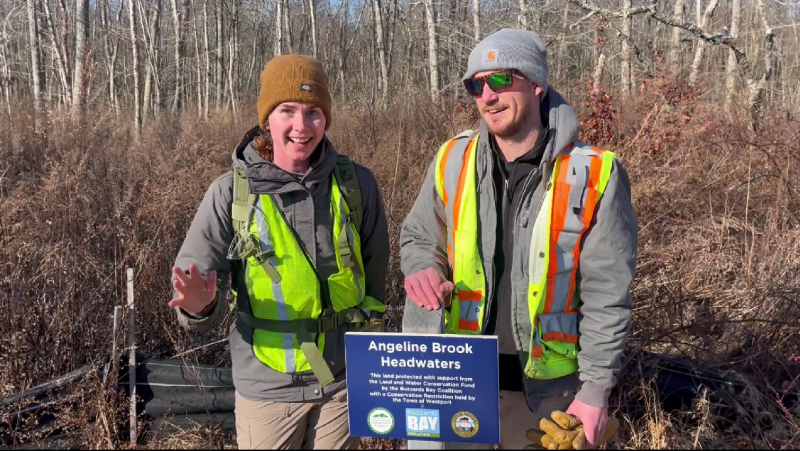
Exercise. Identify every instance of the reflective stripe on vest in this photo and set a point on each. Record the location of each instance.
(282, 283)
(576, 184)
(458, 192)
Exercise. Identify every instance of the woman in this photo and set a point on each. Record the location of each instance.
(302, 234)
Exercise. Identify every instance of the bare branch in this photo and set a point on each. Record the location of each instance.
(582, 19)
(714, 39)
(607, 12)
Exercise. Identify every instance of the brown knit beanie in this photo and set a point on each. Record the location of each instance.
(293, 78)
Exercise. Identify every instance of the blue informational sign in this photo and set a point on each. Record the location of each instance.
(440, 388)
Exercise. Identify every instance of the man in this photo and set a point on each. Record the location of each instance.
(302, 234)
(524, 232)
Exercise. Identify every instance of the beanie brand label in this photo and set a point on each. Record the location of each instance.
(490, 56)
(306, 87)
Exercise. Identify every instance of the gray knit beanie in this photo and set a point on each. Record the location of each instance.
(511, 49)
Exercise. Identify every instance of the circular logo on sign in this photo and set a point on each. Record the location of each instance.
(380, 420)
(465, 424)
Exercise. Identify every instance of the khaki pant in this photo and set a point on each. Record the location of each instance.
(516, 418)
(294, 425)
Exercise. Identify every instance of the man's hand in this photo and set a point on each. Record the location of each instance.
(195, 292)
(427, 289)
(594, 420)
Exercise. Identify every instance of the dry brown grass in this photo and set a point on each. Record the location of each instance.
(716, 279)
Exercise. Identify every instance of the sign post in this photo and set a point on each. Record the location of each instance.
(430, 387)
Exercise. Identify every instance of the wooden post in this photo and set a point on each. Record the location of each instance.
(132, 356)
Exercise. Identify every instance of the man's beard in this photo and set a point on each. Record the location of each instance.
(512, 128)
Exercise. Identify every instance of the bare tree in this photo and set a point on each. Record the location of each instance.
(701, 44)
(111, 48)
(287, 25)
(176, 23)
(379, 39)
(313, 14)
(730, 70)
(207, 73)
(675, 51)
(433, 48)
(5, 74)
(137, 112)
(81, 45)
(65, 38)
(61, 56)
(476, 19)
(626, 66)
(756, 84)
(278, 27)
(218, 85)
(233, 53)
(36, 76)
(151, 38)
(562, 44)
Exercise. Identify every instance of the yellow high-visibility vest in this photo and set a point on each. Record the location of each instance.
(284, 300)
(577, 182)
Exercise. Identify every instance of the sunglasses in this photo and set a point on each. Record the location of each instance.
(497, 81)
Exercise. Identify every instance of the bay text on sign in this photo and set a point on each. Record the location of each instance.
(423, 387)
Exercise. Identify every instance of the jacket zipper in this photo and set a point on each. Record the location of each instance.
(525, 187)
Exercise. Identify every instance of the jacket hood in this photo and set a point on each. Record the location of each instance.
(267, 178)
(560, 121)
(562, 124)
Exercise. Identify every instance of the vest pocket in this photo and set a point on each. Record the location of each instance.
(559, 334)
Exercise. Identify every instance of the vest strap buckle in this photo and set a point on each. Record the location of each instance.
(263, 259)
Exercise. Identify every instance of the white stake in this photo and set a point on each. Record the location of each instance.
(132, 355)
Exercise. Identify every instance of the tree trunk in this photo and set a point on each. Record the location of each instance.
(198, 62)
(522, 19)
(313, 13)
(279, 27)
(562, 44)
(207, 76)
(218, 87)
(36, 68)
(253, 54)
(151, 40)
(81, 37)
(476, 19)
(730, 70)
(433, 49)
(233, 50)
(110, 52)
(379, 35)
(625, 66)
(391, 38)
(675, 51)
(137, 111)
(287, 25)
(698, 10)
(756, 101)
(60, 56)
(67, 94)
(5, 76)
(701, 44)
(176, 22)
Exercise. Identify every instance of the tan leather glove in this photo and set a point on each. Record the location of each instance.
(565, 432)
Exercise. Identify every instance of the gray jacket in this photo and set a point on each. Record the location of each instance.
(606, 270)
(305, 203)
